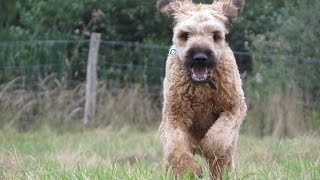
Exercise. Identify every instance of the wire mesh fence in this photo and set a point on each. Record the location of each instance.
(125, 62)
(24, 63)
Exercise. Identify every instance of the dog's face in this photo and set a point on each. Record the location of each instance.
(199, 32)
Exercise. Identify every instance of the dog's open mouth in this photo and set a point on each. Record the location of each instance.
(199, 73)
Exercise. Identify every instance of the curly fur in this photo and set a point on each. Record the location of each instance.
(195, 118)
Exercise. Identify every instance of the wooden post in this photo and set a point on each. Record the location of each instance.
(91, 82)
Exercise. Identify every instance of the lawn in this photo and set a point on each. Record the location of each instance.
(132, 154)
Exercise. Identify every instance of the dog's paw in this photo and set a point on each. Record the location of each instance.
(184, 164)
(190, 167)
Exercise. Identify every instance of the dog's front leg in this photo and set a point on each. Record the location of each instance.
(177, 151)
(219, 143)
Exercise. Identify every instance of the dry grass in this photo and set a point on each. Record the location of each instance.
(280, 111)
(51, 104)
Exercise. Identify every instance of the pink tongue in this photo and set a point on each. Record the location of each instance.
(199, 72)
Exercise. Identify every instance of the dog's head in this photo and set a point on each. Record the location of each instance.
(199, 32)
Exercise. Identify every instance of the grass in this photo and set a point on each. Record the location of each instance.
(63, 109)
(132, 154)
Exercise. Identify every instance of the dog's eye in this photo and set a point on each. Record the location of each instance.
(184, 36)
(216, 36)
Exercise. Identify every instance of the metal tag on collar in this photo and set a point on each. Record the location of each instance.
(173, 52)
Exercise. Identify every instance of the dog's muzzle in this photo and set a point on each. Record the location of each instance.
(198, 66)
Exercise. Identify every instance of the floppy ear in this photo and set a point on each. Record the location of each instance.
(229, 8)
(170, 6)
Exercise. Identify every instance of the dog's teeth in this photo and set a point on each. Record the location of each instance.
(199, 79)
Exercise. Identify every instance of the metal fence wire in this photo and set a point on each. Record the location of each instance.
(118, 61)
(126, 62)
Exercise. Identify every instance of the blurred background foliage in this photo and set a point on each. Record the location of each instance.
(277, 43)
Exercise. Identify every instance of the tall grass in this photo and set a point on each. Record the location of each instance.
(278, 112)
(53, 105)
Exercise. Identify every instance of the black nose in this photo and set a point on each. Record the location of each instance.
(200, 57)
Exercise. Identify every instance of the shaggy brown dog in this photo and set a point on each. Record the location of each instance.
(204, 103)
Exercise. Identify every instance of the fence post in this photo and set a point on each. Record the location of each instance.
(91, 82)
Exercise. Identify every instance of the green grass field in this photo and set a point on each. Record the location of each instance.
(131, 154)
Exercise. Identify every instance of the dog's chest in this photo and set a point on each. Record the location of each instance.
(205, 111)
(201, 123)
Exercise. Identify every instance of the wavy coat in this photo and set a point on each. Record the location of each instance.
(196, 118)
